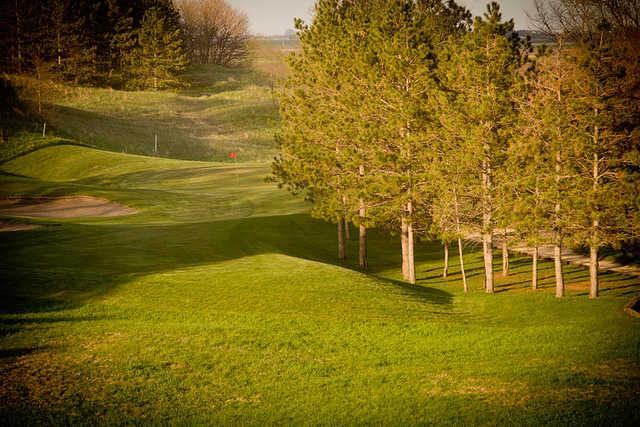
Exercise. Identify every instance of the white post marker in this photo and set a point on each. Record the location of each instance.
(155, 145)
(234, 156)
(44, 129)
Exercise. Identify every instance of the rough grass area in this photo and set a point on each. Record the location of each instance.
(221, 302)
(26, 139)
(223, 110)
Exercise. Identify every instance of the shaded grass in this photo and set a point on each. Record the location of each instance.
(222, 302)
(223, 110)
(24, 137)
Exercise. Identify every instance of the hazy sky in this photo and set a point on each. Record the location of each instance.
(515, 9)
(273, 17)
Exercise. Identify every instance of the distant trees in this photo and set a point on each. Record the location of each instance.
(93, 41)
(407, 116)
(215, 32)
(135, 44)
(581, 20)
(159, 56)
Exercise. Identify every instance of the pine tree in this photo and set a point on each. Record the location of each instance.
(315, 126)
(123, 46)
(361, 117)
(453, 207)
(395, 66)
(604, 118)
(481, 72)
(528, 168)
(160, 57)
(542, 155)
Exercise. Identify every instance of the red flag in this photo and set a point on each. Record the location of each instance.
(233, 155)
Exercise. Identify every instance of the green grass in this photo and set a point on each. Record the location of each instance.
(221, 302)
(223, 110)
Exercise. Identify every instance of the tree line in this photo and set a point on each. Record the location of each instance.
(134, 44)
(413, 117)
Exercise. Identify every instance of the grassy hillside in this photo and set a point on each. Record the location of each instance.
(223, 110)
(165, 190)
(221, 302)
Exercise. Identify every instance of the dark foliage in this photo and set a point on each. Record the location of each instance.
(82, 41)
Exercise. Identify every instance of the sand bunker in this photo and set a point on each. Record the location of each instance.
(63, 207)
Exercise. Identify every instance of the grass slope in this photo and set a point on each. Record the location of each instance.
(223, 110)
(221, 302)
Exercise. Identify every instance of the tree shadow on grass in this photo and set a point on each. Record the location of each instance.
(16, 304)
(208, 80)
(420, 293)
(58, 268)
(192, 133)
(51, 319)
(86, 261)
(12, 353)
(48, 272)
(15, 352)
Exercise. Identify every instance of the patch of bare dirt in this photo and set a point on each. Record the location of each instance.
(63, 207)
(494, 390)
(578, 286)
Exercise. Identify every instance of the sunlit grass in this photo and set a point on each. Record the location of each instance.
(221, 302)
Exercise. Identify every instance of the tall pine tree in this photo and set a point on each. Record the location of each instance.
(481, 74)
(160, 58)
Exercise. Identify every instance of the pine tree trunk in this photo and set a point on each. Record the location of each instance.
(410, 246)
(154, 71)
(593, 271)
(59, 47)
(404, 241)
(536, 249)
(457, 214)
(593, 247)
(487, 236)
(445, 269)
(557, 250)
(464, 274)
(534, 272)
(362, 253)
(488, 262)
(347, 227)
(363, 259)
(505, 257)
(557, 260)
(341, 256)
(484, 263)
